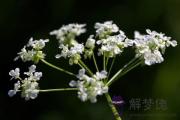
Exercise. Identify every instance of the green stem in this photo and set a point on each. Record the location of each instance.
(82, 65)
(57, 68)
(111, 66)
(130, 68)
(124, 70)
(94, 59)
(56, 90)
(104, 62)
(107, 60)
(113, 108)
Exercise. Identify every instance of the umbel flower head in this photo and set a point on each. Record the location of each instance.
(109, 41)
(28, 86)
(67, 33)
(32, 51)
(152, 46)
(90, 87)
(69, 46)
(105, 29)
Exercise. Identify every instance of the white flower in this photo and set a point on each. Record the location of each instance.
(37, 44)
(114, 45)
(152, 46)
(32, 51)
(89, 47)
(32, 69)
(30, 89)
(11, 93)
(37, 75)
(73, 53)
(76, 49)
(106, 28)
(33, 75)
(90, 43)
(73, 83)
(100, 75)
(25, 55)
(29, 85)
(153, 57)
(81, 74)
(160, 39)
(68, 32)
(64, 51)
(15, 73)
(68, 52)
(90, 87)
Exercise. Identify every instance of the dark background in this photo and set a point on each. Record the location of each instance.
(21, 19)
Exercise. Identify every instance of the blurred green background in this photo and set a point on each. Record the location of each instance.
(21, 19)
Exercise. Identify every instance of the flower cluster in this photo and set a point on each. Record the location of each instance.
(29, 85)
(73, 53)
(111, 38)
(105, 29)
(89, 47)
(152, 46)
(68, 45)
(108, 41)
(113, 45)
(90, 87)
(67, 33)
(32, 51)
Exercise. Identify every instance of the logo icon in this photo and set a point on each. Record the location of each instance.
(119, 104)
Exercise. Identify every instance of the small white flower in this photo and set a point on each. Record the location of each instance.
(68, 32)
(100, 75)
(81, 74)
(32, 69)
(73, 83)
(15, 73)
(76, 49)
(90, 43)
(29, 85)
(106, 28)
(25, 55)
(73, 53)
(37, 75)
(90, 87)
(11, 93)
(114, 45)
(33, 75)
(152, 46)
(30, 89)
(152, 58)
(64, 51)
(32, 51)
(37, 44)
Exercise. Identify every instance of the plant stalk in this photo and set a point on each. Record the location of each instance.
(113, 108)
(57, 68)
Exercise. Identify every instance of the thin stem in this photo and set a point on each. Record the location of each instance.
(56, 90)
(57, 68)
(113, 108)
(107, 60)
(129, 64)
(81, 64)
(111, 66)
(104, 62)
(124, 70)
(94, 59)
(132, 67)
